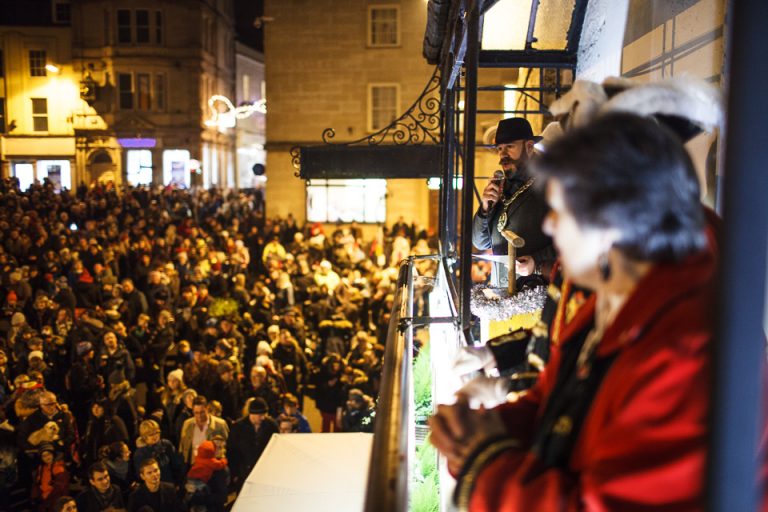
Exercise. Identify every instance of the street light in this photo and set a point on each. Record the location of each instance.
(53, 68)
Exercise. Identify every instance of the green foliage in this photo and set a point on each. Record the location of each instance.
(223, 308)
(425, 496)
(422, 383)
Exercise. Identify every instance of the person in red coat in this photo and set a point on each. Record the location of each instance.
(618, 418)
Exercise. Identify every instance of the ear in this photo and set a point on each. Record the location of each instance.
(529, 147)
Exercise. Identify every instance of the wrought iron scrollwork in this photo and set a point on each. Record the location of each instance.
(296, 159)
(417, 125)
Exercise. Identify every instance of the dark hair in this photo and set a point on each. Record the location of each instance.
(199, 400)
(627, 172)
(146, 463)
(96, 467)
(64, 500)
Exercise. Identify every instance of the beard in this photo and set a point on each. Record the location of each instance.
(513, 164)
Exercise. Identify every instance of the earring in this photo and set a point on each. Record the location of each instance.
(604, 265)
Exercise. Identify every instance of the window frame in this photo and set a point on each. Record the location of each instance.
(369, 26)
(38, 116)
(121, 93)
(152, 33)
(35, 70)
(352, 190)
(369, 125)
(2, 116)
(55, 12)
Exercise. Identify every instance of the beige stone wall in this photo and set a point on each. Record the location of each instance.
(318, 68)
(662, 41)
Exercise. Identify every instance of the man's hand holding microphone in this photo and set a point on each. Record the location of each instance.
(492, 191)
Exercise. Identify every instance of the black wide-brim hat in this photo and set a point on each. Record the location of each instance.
(514, 128)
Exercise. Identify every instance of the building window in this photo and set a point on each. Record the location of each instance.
(383, 25)
(39, 114)
(2, 65)
(383, 105)
(142, 91)
(142, 26)
(139, 167)
(123, 26)
(159, 27)
(176, 168)
(347, 201)
(37, 60)
(137, 26)
(2, 115)
(62, 12)
(159, 91)
(58, 173)
(125, 87)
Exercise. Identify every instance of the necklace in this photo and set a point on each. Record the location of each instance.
(503, 218)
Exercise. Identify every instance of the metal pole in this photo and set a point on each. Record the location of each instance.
(470, 108)
(740, 349)
(446, 186)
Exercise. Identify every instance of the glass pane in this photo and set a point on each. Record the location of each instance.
(176, 168)
(40, 123)
(25, 173)
(159, 91)
(505, 25)
(125, 83)
(39, 106)
(123, 26)
(317, 201)
(57, 172)
(142, 91)
(139, 167)
(552, 22)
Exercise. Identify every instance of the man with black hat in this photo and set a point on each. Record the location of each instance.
(248, 439)
(512, 203)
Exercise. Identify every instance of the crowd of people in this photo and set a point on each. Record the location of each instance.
(153, 340)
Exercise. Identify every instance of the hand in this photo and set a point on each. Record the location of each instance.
(458, 430)
(486, 391)
(471, 359)
(491, 194)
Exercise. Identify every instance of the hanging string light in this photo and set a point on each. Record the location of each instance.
(224, 114)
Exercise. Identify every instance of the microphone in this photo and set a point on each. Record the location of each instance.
(498, 178)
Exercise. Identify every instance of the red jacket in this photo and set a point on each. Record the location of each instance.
(643, 443)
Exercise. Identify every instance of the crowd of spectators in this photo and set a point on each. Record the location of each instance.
(153, 340)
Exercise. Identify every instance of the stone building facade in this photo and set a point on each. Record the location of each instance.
(326, 69)
(131, 100)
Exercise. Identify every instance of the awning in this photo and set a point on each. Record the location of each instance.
(369, 161)
(317, 472)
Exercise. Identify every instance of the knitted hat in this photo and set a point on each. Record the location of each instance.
(258, 406)
(177, 374)
(18, 319)
(83, 348)
(35, 354)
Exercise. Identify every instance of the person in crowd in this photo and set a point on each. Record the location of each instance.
(359, 413)
(207, 479)
(330, 392)
(150, 445)
(248, 439)
(51, 480)
(618, 419)
(287, 424)
(101, 494)
(260, 386)
(202, 426)
(227, 391)
(121, 470)
(65, 504)
(153, 493)
(102, 430)
(291, 410)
